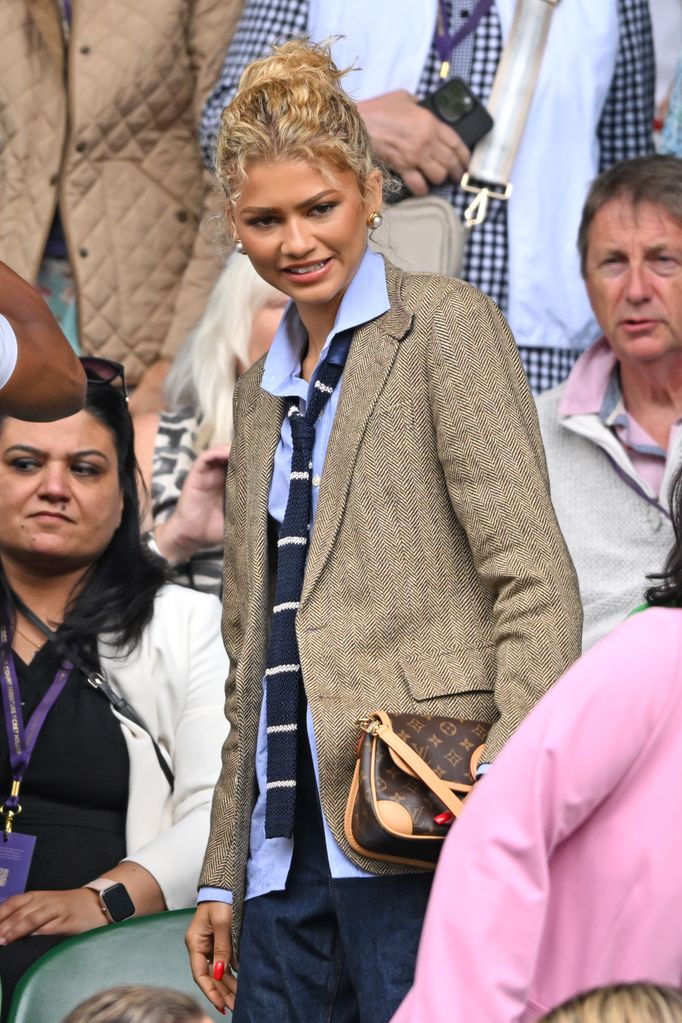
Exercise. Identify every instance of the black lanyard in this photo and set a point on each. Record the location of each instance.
(98, 682)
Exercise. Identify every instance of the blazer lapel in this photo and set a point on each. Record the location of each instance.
(268, 413)
(371, 356)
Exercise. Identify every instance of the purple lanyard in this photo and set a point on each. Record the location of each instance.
(22, 739)
(446, 41)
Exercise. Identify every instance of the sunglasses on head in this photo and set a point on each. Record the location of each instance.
(104, 371)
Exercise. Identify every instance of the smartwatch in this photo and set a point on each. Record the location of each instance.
(114, 899)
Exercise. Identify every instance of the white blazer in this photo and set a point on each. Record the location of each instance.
(175, 681)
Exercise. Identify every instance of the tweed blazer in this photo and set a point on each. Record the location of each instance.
(437, 578)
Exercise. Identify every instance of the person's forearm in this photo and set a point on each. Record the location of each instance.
(142, 887)
(175, 546)
(31, 393)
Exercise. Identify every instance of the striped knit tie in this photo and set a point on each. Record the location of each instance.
(283, 668)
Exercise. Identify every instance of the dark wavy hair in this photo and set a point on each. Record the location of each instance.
(117, 598)
(667, 591)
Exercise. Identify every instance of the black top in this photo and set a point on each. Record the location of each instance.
(75, 790)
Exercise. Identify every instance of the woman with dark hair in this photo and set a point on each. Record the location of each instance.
(111, 682)
(568, 855)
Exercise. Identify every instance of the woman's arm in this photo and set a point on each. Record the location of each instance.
(490, 448)
(48, 381)
(76, 909)
(194, 657)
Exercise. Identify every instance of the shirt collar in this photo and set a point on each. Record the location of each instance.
(590, 380)
(366, 298)
(593, 386)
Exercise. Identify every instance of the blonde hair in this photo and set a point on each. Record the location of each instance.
(290, 105)
(204, 372)
(138, 1004)
(621, 1003)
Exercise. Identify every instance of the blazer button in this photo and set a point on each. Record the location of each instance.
(182, 216)
(85, 49)
(83, 253)
(80, 147)
(54, 179)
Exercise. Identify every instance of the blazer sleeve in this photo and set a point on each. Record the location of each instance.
(216, 868)
(174, 856)
(494, 874)
(492, 456)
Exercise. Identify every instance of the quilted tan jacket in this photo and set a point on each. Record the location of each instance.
(117, 148)
(437, 579)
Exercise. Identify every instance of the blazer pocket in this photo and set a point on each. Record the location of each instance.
(454, 672)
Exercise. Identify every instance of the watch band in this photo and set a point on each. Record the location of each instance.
(100, 883)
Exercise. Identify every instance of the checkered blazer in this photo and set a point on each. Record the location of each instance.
(437, 578)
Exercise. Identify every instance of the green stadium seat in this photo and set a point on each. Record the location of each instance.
(145, 950)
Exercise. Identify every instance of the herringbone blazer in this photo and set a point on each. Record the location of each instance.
(437, 578)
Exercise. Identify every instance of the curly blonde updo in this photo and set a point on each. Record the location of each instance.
(290, 106)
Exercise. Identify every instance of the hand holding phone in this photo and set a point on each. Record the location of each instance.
(456, 105)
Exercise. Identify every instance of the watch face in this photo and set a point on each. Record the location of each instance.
(118, 902)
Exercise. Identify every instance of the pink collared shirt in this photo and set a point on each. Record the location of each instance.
(593, 386)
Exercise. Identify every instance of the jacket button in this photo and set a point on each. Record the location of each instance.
(54, 179)
(181, 215)
(80, 147)
(85, 49)
(83, 253)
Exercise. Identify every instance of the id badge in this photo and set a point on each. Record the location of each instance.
(16, 854)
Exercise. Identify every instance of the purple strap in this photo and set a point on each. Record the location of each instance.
(446, 41)
(21, 739)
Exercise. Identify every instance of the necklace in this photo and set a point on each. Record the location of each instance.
(27, 638)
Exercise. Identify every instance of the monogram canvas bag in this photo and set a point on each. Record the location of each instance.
(411, 775)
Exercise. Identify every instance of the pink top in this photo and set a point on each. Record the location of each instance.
(564, 871)
(593, 386)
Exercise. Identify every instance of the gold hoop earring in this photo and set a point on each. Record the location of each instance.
(239, 247)
(374, 220)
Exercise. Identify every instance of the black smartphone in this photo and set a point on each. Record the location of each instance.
(455, 103)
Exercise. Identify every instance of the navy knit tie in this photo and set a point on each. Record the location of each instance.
(283, 670)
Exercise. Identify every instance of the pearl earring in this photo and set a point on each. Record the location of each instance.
(374, 220)
(239, 246)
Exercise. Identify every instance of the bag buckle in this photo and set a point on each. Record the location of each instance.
(95, 680)
(477, 210)
(368, 725)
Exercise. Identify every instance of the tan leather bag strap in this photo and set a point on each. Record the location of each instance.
(420, 768)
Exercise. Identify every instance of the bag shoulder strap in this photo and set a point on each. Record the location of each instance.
(420, 768)
(97, 680)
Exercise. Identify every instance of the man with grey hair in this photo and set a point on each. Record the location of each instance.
(612, 429)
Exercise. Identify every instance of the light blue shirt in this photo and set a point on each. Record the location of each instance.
(365, 299)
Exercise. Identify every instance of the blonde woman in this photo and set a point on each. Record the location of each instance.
(183, 452)
(137, 1004)
(621, 1003)
(390, 542)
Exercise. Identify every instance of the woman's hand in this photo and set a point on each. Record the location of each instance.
(69, 912)
(198, 520)
(209, 943)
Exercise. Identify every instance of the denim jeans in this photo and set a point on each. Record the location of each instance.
(327, 950)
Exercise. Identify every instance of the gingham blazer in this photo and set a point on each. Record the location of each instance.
(437, 578)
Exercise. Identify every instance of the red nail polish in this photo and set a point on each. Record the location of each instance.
(444, 818)
(218, 970)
